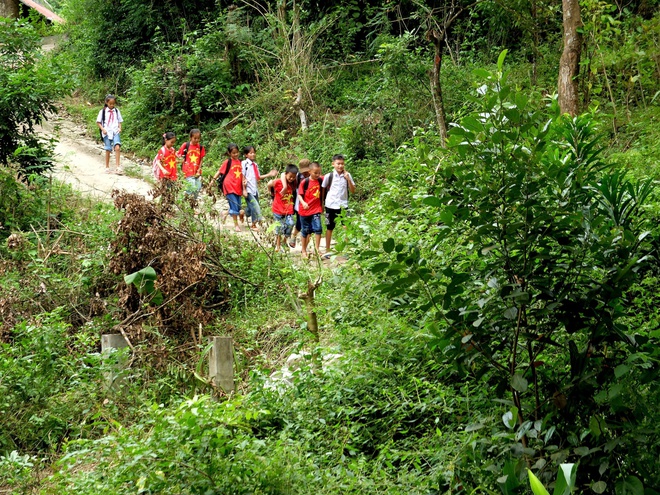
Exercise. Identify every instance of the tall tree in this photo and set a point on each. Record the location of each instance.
(437, 21)
(9, 8)
(569, 64)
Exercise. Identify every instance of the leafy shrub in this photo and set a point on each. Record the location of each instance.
(19, 206)
(534, 304)
(27, 89)
(46, 389)
(198, 447)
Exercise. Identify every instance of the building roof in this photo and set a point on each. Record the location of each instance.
(48, 14)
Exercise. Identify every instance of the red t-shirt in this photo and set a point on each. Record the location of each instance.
(233, 183)
(282, 205)
(167, 158)
(193, 163)
(312, 197)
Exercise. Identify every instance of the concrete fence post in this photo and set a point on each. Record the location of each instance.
(221, 363)
(111, 343)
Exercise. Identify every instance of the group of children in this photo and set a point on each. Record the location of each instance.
(299, 195)
(303, 192)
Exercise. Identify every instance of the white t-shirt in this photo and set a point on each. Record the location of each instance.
(337, 196)
(112, 121)
(251, 174)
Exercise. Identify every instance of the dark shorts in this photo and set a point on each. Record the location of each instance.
(311, 225)
(298, 224)
(330, 216)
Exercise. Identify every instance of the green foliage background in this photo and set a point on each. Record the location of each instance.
(498, 311)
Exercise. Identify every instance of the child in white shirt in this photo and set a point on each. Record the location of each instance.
(109, 123)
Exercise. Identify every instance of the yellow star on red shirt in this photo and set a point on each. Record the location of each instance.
(193, 159)
(237, 173)
(317, 193)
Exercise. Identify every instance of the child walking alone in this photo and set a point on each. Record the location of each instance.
(310, 195)
(283, 204)
(109, 123)
(231, 183)
(165, 161)
(192, 153)
(336, 185)
(252, 176)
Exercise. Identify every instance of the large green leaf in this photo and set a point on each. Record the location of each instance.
(536, 485)
(565, 479)
(630, 485)
(143, 280)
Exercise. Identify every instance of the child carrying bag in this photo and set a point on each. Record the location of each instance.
(155, 169)
(221, 178)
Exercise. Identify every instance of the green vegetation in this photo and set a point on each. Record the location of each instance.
(27, 92)
(494, 330)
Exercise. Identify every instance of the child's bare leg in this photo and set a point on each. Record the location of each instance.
(237, 228)
(117, 149)
(277, 242)
(107, 160)
(292, 238)
(303, 251)
(328, 240)
(317, 243)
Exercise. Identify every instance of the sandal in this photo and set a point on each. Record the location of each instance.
(237, 228)
(292, 242)
(120, 171)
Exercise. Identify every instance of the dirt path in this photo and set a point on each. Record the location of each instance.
(80, 161)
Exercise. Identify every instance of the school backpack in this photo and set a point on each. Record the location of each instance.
(221, 178)
(306, 186)
(155, 169)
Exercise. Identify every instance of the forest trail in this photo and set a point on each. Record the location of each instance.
(80, 162)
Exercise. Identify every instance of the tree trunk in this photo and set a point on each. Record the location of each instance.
(535, 41)
(569, 64)
(9, 8)
(436, 87)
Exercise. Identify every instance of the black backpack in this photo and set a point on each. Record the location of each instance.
(221, 178)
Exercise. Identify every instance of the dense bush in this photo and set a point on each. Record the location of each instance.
(48, 387)
(534, 305)
(27, 91)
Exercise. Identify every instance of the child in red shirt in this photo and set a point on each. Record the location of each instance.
(233, 183)
(166, 158)
(193, 154)
(310, 195)
(283, 204)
